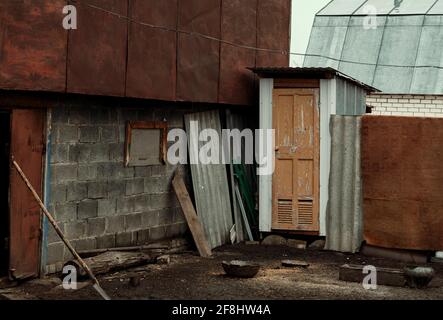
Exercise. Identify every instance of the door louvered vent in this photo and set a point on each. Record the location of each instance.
(305, 212)
(285, 211)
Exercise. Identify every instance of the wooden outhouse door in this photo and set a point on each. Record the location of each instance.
(295, 182)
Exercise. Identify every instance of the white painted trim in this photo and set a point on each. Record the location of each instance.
(265, 182)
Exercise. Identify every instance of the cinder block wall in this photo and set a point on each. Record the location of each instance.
(406, 105)
(98, 202)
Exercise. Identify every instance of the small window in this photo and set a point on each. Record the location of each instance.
(146, 143)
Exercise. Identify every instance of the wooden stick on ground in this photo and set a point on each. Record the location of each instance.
(60, 233)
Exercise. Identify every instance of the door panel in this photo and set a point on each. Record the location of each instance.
(296, 177)
(27, 144)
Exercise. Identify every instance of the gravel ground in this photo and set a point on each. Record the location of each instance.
(190, 277)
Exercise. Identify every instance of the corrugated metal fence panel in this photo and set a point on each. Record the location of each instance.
(210, 183)
(345, 216)
(351, 100)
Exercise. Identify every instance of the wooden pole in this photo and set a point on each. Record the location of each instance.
(60, 233)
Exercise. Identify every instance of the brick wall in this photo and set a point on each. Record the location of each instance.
(406, 105)
(97, 201)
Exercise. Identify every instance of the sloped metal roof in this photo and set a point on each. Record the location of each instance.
(307, 73)
(401, 54)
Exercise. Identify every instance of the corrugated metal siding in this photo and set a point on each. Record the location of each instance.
(351, 100)
(344, 230)
(210, 184)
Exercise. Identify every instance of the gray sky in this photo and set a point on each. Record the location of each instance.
(303, 12)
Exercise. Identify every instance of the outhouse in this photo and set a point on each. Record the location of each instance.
(299, 103)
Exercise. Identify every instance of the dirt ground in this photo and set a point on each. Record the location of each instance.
(190, 277)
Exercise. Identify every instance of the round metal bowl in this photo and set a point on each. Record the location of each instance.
(241, 269)
(418, 277)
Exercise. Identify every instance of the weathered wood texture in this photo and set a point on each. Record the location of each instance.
(112, 261)
(403, 182)
(191, 217)
(143, 49)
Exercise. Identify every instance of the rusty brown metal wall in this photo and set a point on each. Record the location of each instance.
(32, 45)
(27, 141)
(152, 52)
(198, 58)
(273, 31)
(110, 54)
(97, 49)
(239, 24)
(403, 182)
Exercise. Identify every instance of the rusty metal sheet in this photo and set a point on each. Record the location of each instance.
(273, 32)
(97, 49)
(403, 179)
(152, 52)
(198, 58)
(32, 45)
(239, 25)
(27, 143)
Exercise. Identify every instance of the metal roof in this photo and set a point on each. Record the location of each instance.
(401, 54)
(307, 73)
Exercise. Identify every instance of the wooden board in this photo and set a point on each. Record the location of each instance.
(191, 217)
(296, 178)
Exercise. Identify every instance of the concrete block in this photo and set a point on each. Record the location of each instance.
(106, 207)
(133, 222)
(143, 172)
(156, 185)
(89, 134)
(80, 153)
(85, 244)
(439, 254)
(87, 172)
(116, 188)
(97, 190)
(64, 172)
(135, 186)
(385, 276)
(60, 115)
(75, 229)
(116, 152)
(157, 233)
(161, 201)
(178, 215)
(67, 134)
(150, 218)
(52, 236)
(55, 252)
(124, 239)
(100, 115)
(60, 153)
(65, 212)
(125, 205)
(142, 237)
(166, 217)
(95, 227)
(175, 230)
(142, 202)
(109, 134)
(79, 116)
(107, 241)
(58, 193)
(99, 152)
(115, 224)
(87, 209)
(77, 191)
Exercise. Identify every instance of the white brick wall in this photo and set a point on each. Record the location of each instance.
(406, 105)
